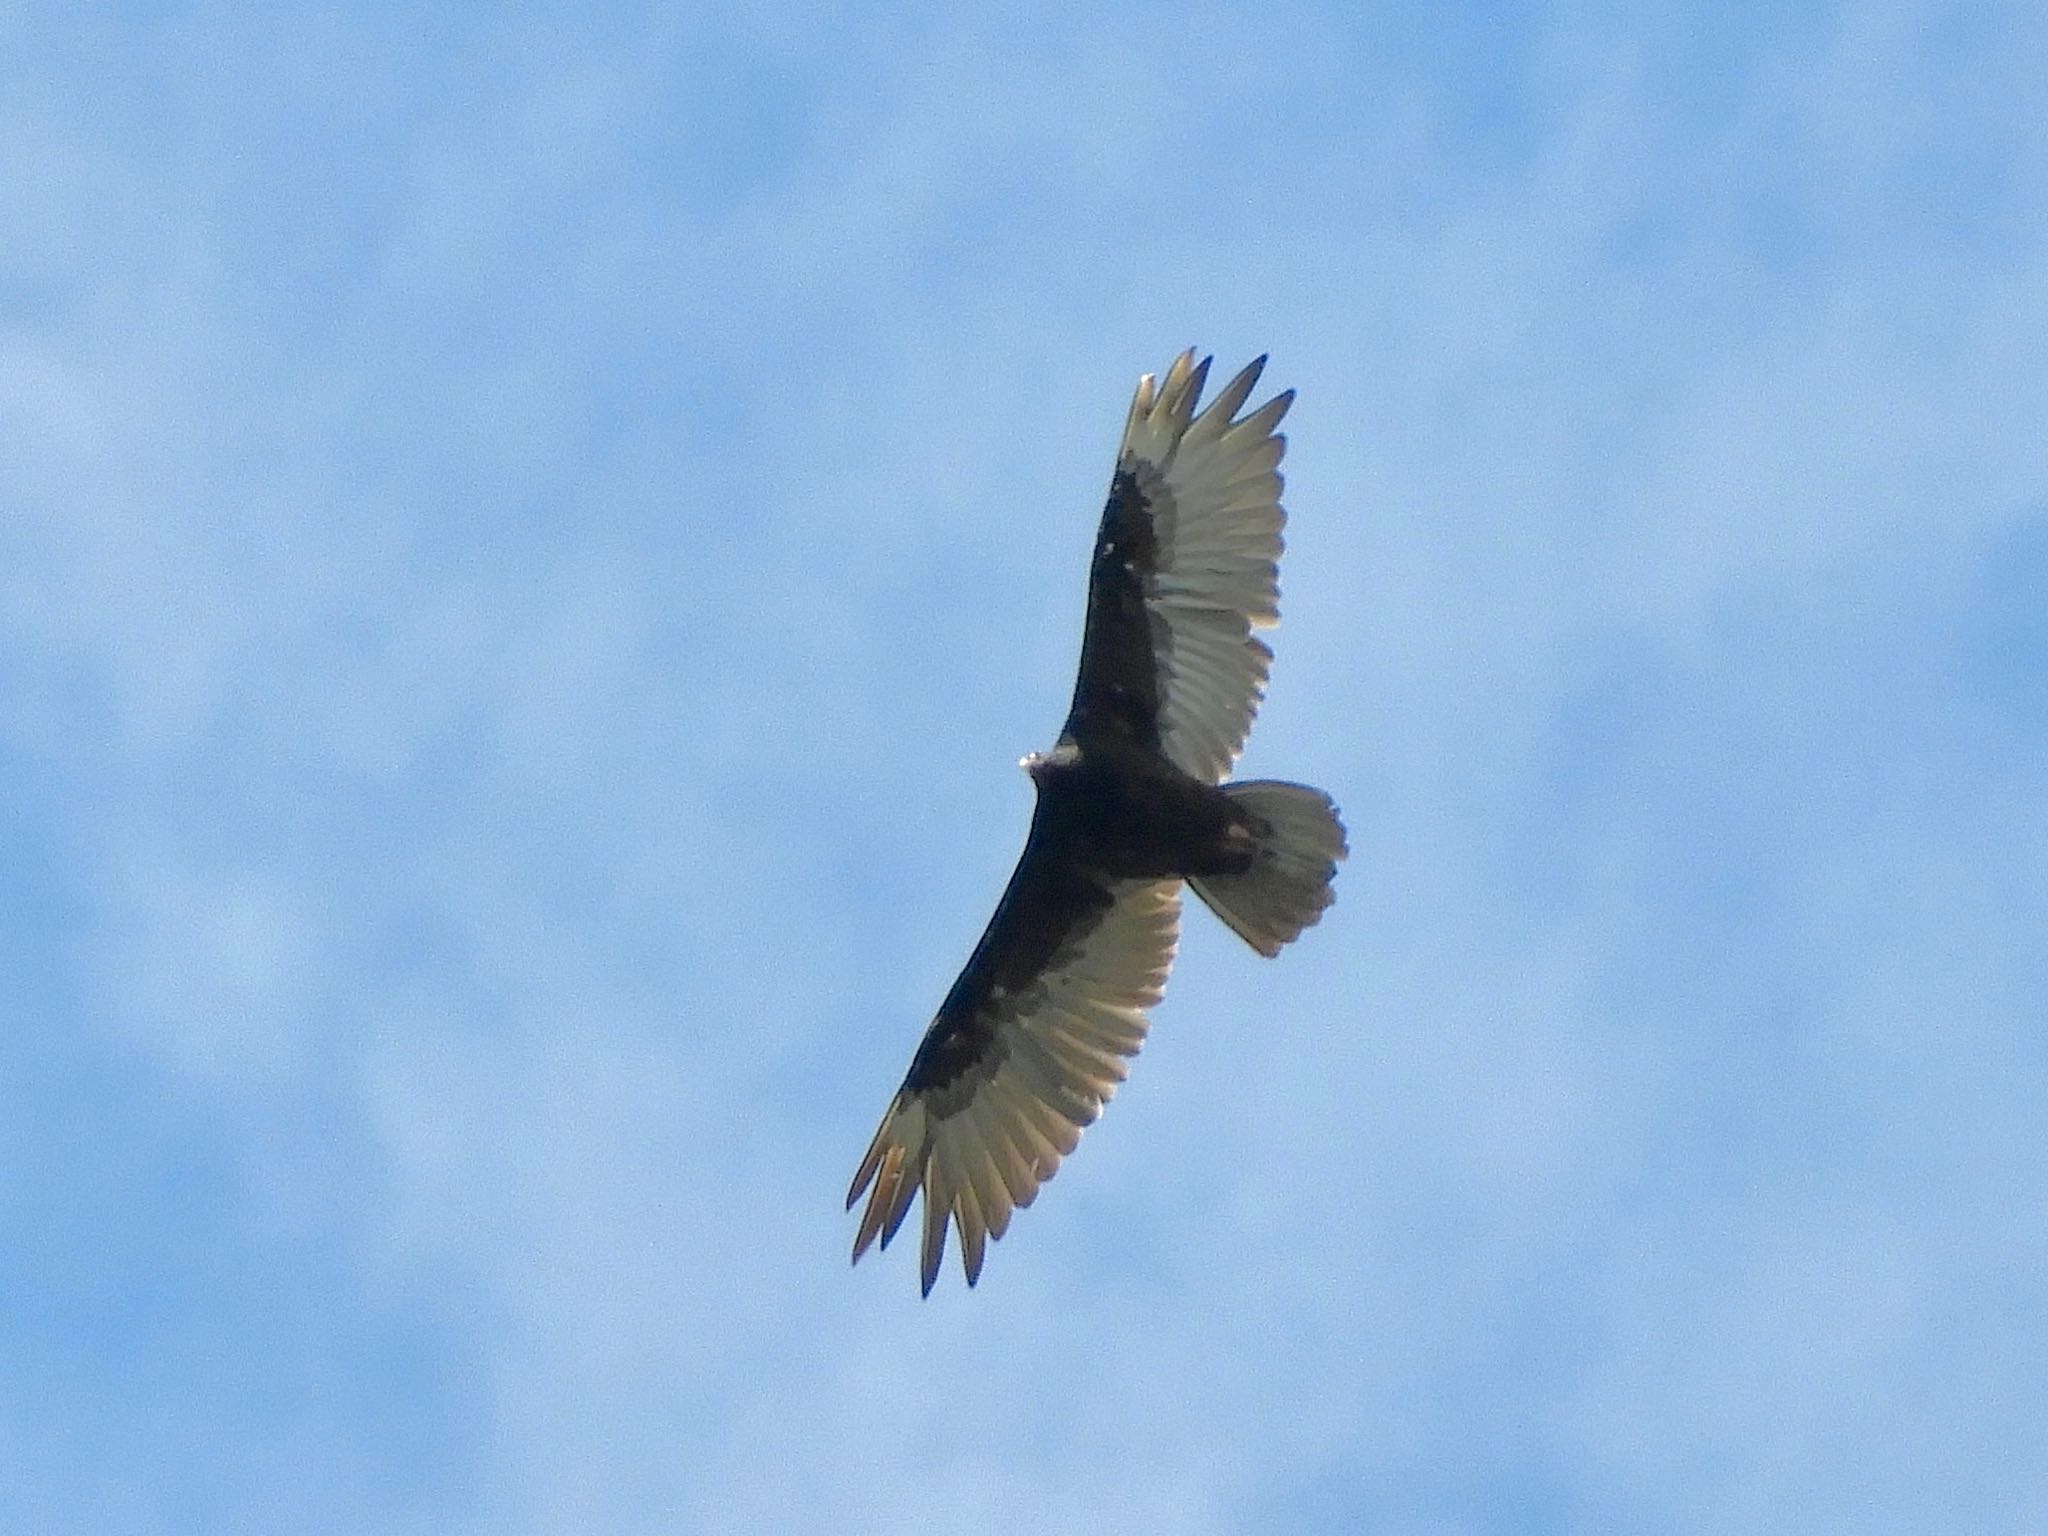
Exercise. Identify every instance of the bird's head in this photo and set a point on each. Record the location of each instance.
(1043, 765)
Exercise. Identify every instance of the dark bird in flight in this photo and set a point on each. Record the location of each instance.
(1032, 1040)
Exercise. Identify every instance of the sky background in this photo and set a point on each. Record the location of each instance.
(532, 539)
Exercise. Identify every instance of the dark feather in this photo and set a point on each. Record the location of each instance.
(1035, 1035)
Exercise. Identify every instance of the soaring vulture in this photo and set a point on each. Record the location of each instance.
(1032, 1040)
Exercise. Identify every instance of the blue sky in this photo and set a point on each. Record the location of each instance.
(530, 544)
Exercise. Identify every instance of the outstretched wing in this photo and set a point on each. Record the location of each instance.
(1026, 1049)
(1186, 566)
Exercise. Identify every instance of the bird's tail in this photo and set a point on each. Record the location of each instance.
(1288, 884)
